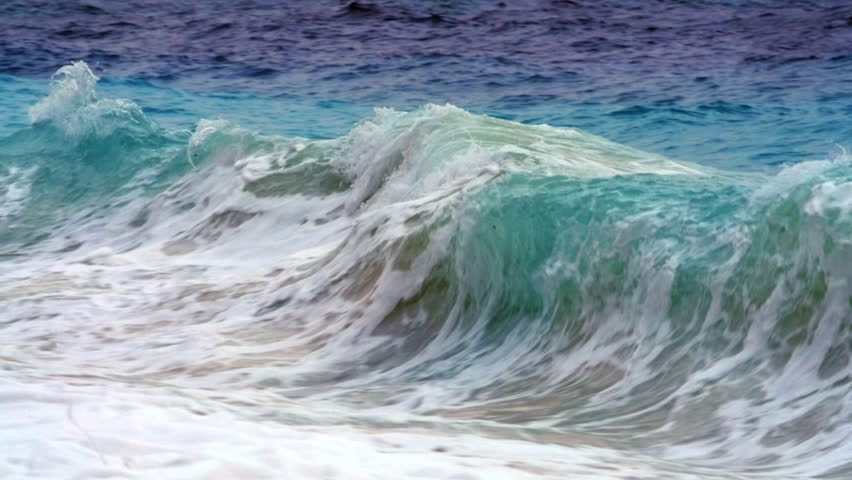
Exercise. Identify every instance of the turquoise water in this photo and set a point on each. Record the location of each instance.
(735, 133)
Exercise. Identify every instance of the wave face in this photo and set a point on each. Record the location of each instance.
(435, 293)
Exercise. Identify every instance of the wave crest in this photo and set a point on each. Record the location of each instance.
(74, 107)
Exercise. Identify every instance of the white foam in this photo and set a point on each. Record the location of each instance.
(82, 430)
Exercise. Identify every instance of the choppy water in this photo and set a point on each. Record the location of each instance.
(219, 261)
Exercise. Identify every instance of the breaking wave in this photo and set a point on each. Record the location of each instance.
(528, 280)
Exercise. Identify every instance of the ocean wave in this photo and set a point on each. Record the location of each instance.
(454, 266)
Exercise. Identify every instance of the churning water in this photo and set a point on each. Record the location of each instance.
(300, 286)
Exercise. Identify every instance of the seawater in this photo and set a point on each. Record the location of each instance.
(433, 240)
